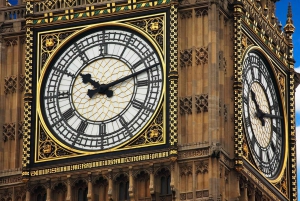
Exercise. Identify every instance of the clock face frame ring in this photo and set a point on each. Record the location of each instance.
(261, 97)
(145, 99)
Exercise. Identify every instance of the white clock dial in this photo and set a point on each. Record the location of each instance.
(262, 114)
(102, 89)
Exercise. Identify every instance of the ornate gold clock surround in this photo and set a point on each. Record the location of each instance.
(49, 149)
(280, 78)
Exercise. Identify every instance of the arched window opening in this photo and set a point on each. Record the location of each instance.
(40, 194)
(164, 179)
(123, 187)
(80, 191)
(100, 189)
(82, 194)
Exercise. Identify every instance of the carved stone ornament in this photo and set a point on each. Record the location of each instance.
(189, 195)
(222, 62)
(6, 195)
(245, 149)
(184, 2)
(186, 169)
(153, 134)
(202, 167)
(281, 82)
(22, 83)
(185, 14)
(10, 84)
(154, 26)
(50, 42)
(20, 129)
(225, 113)
(182, 196)
(246, 41)
(199, 12)
(282, 185)
(9, 130)
(269, 30)
(185, 58)
(201, 55)
(11, 41)
(20, 193)
(185, 105)
(202, 194)
(49, 149)
(201, 103)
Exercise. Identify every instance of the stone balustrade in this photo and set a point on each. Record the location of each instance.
(12, 13)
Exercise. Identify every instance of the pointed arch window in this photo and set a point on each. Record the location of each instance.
(122, 184)
(165, 188)
(82, 194)
(164, 179)
(123, 191)
(41, 197)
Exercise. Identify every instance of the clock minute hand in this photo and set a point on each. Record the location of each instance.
(262, 115)
(103, 88)
(129, 76)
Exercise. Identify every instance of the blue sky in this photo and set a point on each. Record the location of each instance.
(281, 12)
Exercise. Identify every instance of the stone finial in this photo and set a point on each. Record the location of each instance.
(289, 27)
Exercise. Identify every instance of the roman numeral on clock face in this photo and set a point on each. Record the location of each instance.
(103, 49)
(102, 129)
(140, 62)
(142, 83)
(63, 94)
(137, 104)
(68, 114)
(123, 121)
(82, 126)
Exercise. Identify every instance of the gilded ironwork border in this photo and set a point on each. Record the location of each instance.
(238, 113)
(99, 163)
(292, 140)
(27, 97)
(173, 78)
(46, 144)
(91, 11)
(268, 32)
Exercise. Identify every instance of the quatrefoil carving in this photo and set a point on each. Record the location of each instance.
(186, 58)
(201, 103)
(9, 131)
(10, 84)
(186, 105)
(201, 55)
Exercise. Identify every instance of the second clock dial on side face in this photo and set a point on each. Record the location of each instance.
(102, 89)
(263, 119)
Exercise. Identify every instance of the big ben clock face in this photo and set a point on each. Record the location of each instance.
(102, 89)
(263, 117)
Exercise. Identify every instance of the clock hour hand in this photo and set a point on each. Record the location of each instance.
(103, 88)
(258, 110)
(261, 114)
(86, 78)
(253, 97)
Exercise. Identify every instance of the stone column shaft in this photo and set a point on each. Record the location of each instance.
(27, 195)
(69, 189)
(90, 189)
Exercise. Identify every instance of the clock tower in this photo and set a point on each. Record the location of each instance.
(146, 100)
